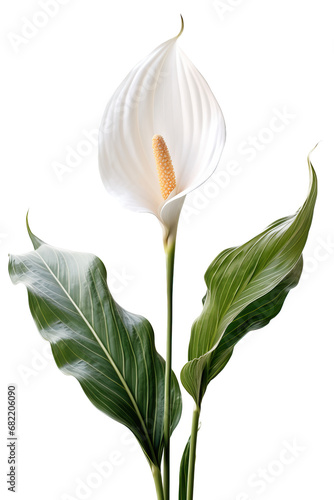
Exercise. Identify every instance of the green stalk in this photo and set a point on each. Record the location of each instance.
(192, 453)
(170, 254)
(158, 482)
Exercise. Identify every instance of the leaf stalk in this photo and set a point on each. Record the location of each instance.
(170, 256)
(192, 453)
(158, 482)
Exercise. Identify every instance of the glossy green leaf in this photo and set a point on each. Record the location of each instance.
(110, 351)
(183, 477)
(246, 288)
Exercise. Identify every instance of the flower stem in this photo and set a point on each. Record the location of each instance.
(158, 482)
(170, 254)
(192, 453)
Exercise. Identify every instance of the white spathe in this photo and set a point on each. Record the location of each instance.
(164, 94)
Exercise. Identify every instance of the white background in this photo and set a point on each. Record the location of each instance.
(260, 57)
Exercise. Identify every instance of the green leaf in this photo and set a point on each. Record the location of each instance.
(183, 477)
(247, 286)
(110, 351)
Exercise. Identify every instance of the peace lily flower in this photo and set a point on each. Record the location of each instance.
(162, 135)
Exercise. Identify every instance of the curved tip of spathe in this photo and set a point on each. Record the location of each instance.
(182, 27)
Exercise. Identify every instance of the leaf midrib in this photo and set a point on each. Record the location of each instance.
(111, 361)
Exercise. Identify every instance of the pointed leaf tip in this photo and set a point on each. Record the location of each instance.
(37, 242)
(183, 475)
(310, 153)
